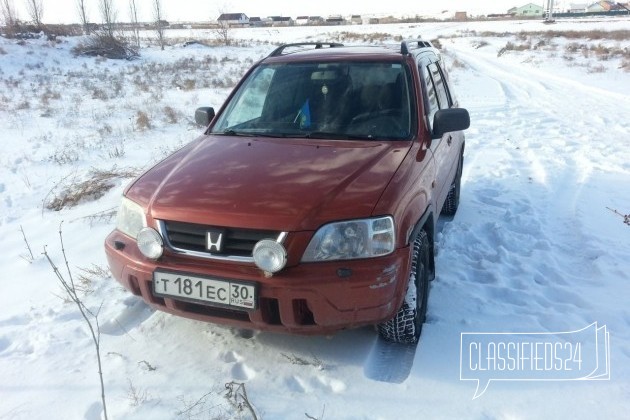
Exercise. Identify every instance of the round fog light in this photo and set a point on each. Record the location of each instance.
(270, 256)
(150, 243)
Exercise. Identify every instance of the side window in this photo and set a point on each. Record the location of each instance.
(440, 86)
(433, 105)
(249, 104)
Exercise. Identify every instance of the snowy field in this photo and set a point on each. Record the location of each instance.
(535, 247)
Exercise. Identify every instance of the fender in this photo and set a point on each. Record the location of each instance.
(426, 223)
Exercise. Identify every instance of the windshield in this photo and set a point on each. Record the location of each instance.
(337, 100)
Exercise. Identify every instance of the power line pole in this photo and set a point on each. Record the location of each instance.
(549, 17)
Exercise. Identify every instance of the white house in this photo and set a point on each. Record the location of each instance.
(529, 9)
(234, 19)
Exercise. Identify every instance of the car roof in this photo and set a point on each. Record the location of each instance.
(338, 53)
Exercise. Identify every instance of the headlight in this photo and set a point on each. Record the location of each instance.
(269, 255)
(150, 243)
(131, 218)
(363, 238)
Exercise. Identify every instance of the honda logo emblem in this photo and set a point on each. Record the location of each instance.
(214, 241)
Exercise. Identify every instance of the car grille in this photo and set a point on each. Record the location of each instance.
(190, 238)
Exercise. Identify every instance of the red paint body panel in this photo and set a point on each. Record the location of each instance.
(295, 185)
(371, 294)
(287, 185)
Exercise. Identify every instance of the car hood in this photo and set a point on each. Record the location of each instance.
(265, 183)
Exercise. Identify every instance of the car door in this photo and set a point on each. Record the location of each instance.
(449, 145)
(439, 148)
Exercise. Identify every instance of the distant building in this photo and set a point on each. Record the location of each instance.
(234, 19)
(281, 21)
(578, 7)
(301, 20)
(528, 10)
(335, 20)
(459, 16)
(316, 20)
(605, 6)
(356, 20)
(256, 21)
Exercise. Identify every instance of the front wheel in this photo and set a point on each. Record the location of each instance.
(406, 326)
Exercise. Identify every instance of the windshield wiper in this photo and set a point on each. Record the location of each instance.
(335, 136)
(230, 132)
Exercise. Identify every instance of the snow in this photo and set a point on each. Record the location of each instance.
(534, 247)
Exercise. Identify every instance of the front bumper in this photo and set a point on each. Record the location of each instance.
(307, 298)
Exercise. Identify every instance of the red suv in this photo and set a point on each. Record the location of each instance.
(310, 202)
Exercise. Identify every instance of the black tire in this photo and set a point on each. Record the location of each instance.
(406, 326)
(452, 199)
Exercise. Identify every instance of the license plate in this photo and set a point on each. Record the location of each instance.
(206, 290)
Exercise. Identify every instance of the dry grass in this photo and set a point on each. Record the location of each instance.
(618, 35)
(510, 46)
(98, 182)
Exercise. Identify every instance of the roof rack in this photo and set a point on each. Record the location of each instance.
(408, 45)
(278, 51)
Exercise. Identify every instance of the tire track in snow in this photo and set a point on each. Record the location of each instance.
(518, 248)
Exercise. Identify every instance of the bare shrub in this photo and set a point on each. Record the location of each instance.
(90, 317)
(135, 396)
(160, 24)
(237, 397)
(143, 122)
(189, 84)
(64, 156)
(573, 47)
(437, 43)
(457, 64)
(223, 33)
(103, 45)
(171, 115)
(105, 216)
(596, 69)
(90, 275)
(510, 46)
(141, 83)
(105, 130)
(48, 95)
(98, 93)
(24, 104)
(117, 151)
(83, 15)
(35, 10)
(480, 44)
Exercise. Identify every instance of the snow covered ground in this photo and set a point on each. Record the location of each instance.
(535, 246)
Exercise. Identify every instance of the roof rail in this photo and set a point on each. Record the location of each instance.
(278, 51)
(409, 44)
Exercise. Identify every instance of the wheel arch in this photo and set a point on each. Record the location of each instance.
(426, 223)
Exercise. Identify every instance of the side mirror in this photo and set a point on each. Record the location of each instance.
(204, 115)
(447, 120)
